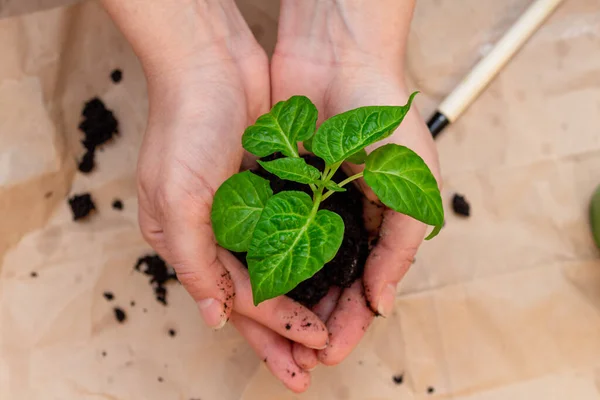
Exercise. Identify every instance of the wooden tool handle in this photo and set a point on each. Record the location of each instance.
(480, 76)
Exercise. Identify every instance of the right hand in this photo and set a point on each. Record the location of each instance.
(345, 54)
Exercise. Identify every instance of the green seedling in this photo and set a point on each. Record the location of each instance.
(286, 237)
(595, 216)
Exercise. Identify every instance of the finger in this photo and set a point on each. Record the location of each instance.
(275, 351)
(305, 357)
(327, 304)
(399, 239)
(347, 324)
(193, 253)
(281, 314)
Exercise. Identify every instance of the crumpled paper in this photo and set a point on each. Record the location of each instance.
(503, 305)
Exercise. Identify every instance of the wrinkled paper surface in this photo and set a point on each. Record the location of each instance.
(503, 305)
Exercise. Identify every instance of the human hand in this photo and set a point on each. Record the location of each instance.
(201, 99)
(343, 55)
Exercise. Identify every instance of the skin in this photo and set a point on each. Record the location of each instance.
(207, 80)
(343, 55)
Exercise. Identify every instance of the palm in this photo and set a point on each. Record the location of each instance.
(335, 88)
(191, 147)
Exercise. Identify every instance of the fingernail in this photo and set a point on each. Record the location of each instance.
(318, 348)
(387, 298)
(312, 369)
(212, 312)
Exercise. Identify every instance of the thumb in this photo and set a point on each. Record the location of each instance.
(192, 252)
(399, 238)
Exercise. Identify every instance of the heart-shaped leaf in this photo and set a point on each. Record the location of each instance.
(236, 208)
(280, 129)
(292, 169)
(291, 242)
(308, 144)
(331, 185)
(358, 158)
(403, 182)
(345, 134)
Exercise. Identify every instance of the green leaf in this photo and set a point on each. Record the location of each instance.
(358, 158)
(595, 216)
(435, 231)
(292, 169)
(331, 185)
(236, 208)
(345, 134)
(403, 182)
(291, 242)
(308, 144)
(280, 129)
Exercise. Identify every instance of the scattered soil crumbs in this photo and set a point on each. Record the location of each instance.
(116, 75)
(145, 310)
(47, 195)
(398, 379)
(103, 354)
(81, 205)
(132, 303)
(288, 326)
(108, 295)
(460, 205)
(120, 315)
(430, 390)
(159, 272)
(172, 332)
(33, 274)
(160, 379)
(117, 204)
(87, 163)
(99, 126)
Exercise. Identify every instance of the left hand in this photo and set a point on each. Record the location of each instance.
(338, 74)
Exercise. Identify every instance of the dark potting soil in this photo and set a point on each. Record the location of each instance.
(159, 272)
(117, 204)
(88, 162)
(108, 295)
(348, 265)
(460, 205)
(81, 205)
(116, 75)
(120, 314)
(99, 125)
(398, 379)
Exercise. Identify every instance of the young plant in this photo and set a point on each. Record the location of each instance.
(286, 237)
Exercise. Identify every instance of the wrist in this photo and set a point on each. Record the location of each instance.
(346, 31)
(177, 35)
